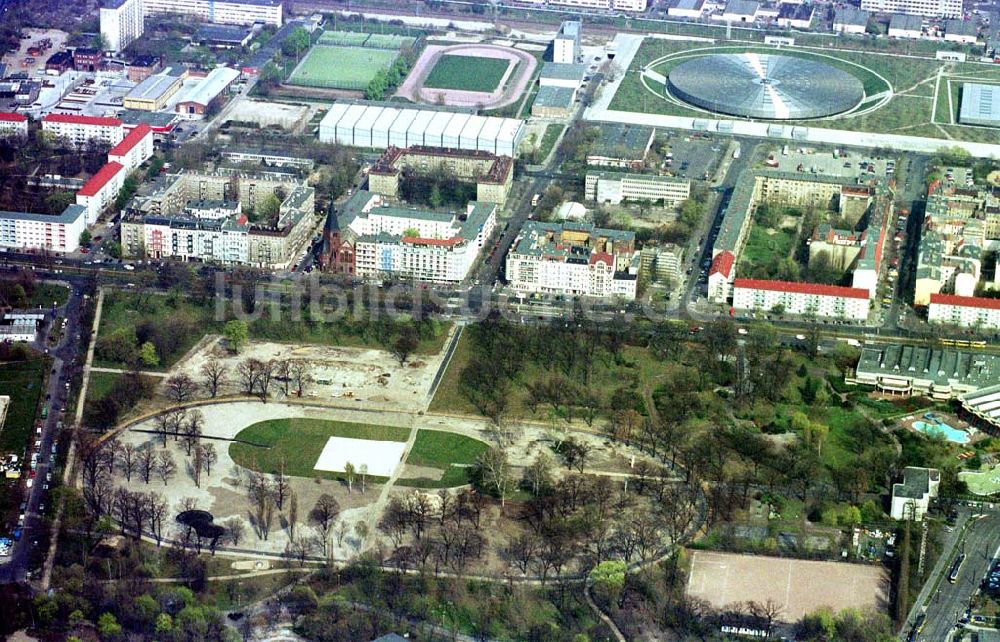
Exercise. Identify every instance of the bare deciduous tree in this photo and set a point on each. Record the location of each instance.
(323, 515)
(180, 387)
(165, 466)
(147, 463)
(213, 376)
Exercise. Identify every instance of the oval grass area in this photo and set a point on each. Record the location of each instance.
(451, 453)
(297, 442)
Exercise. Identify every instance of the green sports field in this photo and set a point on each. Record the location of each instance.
(467, 73)
(337, 67)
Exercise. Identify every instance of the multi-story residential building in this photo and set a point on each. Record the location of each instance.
(13, 124)
(966, 311)
(101, 190)
(566, 46)
(135, 148)
(930, 8)
(226, 12)
(614, 5)
(372, 239)
(78, 130)
(801, 299)
(615, 187)
(573, 259)
(121, 23)
(201, 216)
(662, 263)
(492, 174)
(858, 250)
(270, 157)
(23, 230)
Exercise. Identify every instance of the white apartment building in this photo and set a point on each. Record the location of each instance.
(101, 190)
(229, 12)
(574, 260)
(190, 238)
(615, 187)
(720, 276)
(134, 149)
(566, 46)
(79, 129)
(965, 311)
(13, 124)
(121, 22)
(801, 299)
(930, 8)
(23, 230)
(414, 244)
(616, 5)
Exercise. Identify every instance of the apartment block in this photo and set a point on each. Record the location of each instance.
(101, 190)
(78, 130)
(231, 12)
(135, 149)
(121, 23)
(573, 259)
(929, 8)
(801, 299)
(24, 230)
(13, 124)
(492, 174)
(965, 311)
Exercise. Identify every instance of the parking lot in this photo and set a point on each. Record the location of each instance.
(695, 157)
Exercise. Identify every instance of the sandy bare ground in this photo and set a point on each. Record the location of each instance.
(366, 375)
(725, 578)
(509, 91)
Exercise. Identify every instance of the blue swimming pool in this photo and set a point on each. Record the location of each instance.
(953, 435)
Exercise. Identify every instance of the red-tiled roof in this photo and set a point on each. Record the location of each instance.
(77, 119)
(131, 140)
(966, 301)
(801, 288)
(602, 257)
(723, 264)
(100, 179)
(12, 117)
(417, 240)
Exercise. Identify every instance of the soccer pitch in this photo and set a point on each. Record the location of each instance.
(467, 73)
(341, 67)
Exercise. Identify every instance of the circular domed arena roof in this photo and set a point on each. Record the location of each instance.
(767, 86)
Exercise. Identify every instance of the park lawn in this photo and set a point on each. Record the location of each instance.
(452, 453)
(549, 138)
(638, 365)
(22, 381)
(48, 294)
(467, 73)
(101, 384)
(339, 333)
(341, 67)
(764, 248)
(125, 311)
(298, 442)
(984, 482)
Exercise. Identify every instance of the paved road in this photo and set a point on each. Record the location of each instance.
(63, 357)
(948, 603)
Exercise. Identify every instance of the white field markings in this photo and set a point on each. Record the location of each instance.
(937, 88)
(951, 104)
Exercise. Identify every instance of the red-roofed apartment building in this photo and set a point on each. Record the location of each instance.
(80, 129)
(13, 124)
(101, 190)
(802, 299)
(966, 311)
(134, 148)
(720, 276)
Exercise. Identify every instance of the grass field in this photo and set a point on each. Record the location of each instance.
(335, 67)
(985, 482)
(298, 443)
(467, 73)
(343, 38)
(765, 247)
(22, 382)
(454, 454)
(908, 112)
(47, 294)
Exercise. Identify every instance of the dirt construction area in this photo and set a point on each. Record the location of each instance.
(510, 88)
(337, 374)
(725, 578)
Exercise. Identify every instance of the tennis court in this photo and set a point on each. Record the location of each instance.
(337, 67)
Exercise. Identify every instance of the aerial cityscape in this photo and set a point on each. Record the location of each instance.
(499, 320)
